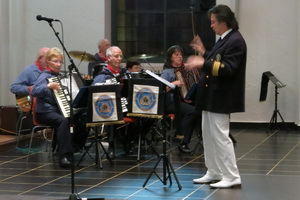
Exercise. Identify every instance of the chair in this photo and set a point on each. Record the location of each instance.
(24, 112)
(19, 124)
(38, 126)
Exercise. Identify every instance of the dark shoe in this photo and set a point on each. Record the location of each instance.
(183, 148)
(111, 155)
(64, 162)
(128, 146)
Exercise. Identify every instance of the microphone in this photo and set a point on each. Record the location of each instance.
(41, 18)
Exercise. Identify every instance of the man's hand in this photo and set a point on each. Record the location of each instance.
(194, 61)
(197, 45)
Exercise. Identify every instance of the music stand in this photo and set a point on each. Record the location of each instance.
(143, 101)
(103, 108)
(144, 96)
(273, 122)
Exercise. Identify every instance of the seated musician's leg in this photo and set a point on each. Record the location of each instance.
(63, 135)
(80, 131)
(178, 129)
(190, 118)
(129, 136)
(146, 128)
(110, 129)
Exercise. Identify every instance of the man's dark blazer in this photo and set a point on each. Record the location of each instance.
(223, 91)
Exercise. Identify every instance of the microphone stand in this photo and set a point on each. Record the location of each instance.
(71, 67)
(152, 68)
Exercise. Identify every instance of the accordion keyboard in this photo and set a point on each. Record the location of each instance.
(62, 97)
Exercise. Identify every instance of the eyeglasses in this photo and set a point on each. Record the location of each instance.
(56, 61)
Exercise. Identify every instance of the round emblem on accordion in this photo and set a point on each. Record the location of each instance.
(104, 106)
(145, 99)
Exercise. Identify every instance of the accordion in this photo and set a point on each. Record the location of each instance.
(189, 78)
(62, 96)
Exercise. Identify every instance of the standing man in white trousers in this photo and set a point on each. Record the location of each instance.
(221, 91)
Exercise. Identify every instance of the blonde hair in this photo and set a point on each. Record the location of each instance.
(53, 52)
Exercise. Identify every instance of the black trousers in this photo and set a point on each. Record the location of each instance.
(189, 120)
(62, 130)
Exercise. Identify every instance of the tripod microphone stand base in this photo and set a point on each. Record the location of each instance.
(273, 125)
(167, 167)
(73, 197)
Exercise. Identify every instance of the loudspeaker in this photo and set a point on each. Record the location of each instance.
(8, 118)
(207, 4)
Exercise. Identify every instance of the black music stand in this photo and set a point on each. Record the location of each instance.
(98, 144)
(144, 104)
(144, 97)
(103, 108)
(273, 122)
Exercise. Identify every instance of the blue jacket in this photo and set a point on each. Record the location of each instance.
(45, 98)
(25, 79)
(106, 74)
(169, 75)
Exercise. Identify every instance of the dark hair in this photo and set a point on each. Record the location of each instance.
(130, 63)
(170, 51)
(224, 14)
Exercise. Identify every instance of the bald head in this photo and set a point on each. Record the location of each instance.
(42, 51)
(41, 56)
(103, 45)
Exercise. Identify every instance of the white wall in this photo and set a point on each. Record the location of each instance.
(84, 23)
(270, 27)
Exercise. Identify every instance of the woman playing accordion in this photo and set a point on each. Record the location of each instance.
(185, 115)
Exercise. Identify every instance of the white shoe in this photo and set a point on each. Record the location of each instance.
(236, 183)
(206, 179)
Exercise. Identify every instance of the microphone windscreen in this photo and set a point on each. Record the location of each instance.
(39, 17)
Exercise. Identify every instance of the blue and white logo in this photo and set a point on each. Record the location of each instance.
(104, 106)
(145, 99)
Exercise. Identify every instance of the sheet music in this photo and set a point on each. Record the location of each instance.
(76, 83)
(161, 79)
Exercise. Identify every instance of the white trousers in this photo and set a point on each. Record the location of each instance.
(219, 152)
